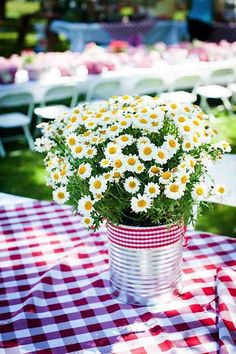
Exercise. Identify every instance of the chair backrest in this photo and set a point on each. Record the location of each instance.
(17, 99)
(186, 82)
(149, 85)
(224, 172)
(222, 76)
(60, 93)
(103, 89)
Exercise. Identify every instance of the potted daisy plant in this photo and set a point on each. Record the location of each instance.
(139, 165)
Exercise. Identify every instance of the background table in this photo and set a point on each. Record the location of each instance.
(55, 298)
(128, 76)
(149, 31)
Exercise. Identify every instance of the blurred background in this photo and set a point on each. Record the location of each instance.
(57, 53)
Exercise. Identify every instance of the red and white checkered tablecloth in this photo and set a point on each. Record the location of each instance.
(54, 292)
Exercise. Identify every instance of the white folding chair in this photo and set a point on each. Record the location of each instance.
(185, 82)
(223, 76)
(178, 96)
(214, 92)
(149, 85)
(56, 93)
(103, 89)
(16, 119)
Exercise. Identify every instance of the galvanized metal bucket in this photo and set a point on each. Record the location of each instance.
(145, 263)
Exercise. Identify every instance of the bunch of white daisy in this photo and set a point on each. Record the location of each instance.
(132, 160)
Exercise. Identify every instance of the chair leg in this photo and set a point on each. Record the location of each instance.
(206, 108)
(227, 104)
(2, 150)
(28, 137)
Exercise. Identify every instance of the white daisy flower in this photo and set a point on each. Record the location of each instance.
(90, 152)
(200, 192)
(220, 191)
(171, 143)
(139, 168)
(141, 203)
(56, 176)
(147, 152)
(119, 163)
(162, 156)
(97, 185)
(60, 195)
(71, 140)
(78, 151)
(85, 205)
(143, 140)
(132, 161)
(152, 189)
(112, 150)
(173, 191)
(132, 185)
(84, 170)
(154, 171)
(88, 221)
(165, 177)
(125, 139)
(105, 163)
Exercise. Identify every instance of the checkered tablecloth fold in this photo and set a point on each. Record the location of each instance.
(226, 292)
(55, 296)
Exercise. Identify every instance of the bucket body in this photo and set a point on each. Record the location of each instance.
(145, 263)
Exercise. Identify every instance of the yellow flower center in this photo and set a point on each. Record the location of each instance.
(199, 191)
(173, 106)
(118, 163)
(116, 175)
(161, 154)
(72, 141)
(192, 163)
(56, 176)
(78, 149)
(221, 190)
(143, 121)
(132, 184)
(166, 175)
(153, 115)
(139, 168)
(172, 143)
(187, 128)
(87, 221)
(196, 122)
(131, 161)
(73, 119)
(184, 179)
(86, 133)
(144, 110)
(114, 128)
(188, 145)
(124, 138)
(97, 184)
(82, 170)
(61, 195)
(142, 203)
(107, 175)
(125, 97)
(187, 109)
(174, 188)
(90, 152)
(195, 139)
(155, 170)
(181, 119)
(147, 150)
(88, 205)
(152, 190)
(112, 150)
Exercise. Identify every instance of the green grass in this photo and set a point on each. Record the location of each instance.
(16, 9)
(22, 173)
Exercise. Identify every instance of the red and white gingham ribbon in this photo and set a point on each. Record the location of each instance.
(145, 237)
